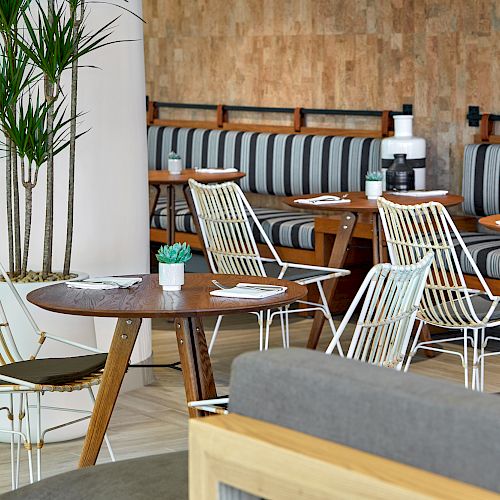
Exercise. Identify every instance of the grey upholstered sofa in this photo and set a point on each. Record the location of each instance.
(419, 421)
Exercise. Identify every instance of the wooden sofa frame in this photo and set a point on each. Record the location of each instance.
(270, 461)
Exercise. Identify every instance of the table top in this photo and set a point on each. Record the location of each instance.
(165, 177)
(360, 203)
(148, 300)
(490, 222)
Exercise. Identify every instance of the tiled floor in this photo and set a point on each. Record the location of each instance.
(154, 419)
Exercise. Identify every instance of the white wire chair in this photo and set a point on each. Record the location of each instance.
(12, 362)
(391, 296)
(383, 329)
(447, 302)
(225, 219)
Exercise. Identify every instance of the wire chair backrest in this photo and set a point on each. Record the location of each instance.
(226, 220)
(391, 296)
(413, 230)
(9, 352)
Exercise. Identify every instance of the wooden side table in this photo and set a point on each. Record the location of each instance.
(148, 300)
(164, 177)
(490, 222)
(359, 207)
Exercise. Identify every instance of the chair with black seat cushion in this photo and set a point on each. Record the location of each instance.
(25, 378)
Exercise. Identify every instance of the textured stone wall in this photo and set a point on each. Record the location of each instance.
(373, 54)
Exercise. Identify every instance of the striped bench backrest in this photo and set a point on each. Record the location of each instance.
(481, 179)
(280, 164)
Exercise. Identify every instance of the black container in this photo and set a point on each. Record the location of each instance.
(400, 176)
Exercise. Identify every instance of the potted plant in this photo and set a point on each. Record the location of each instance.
(171, 260)
(39, 42)
(373, 185)
(174, 163)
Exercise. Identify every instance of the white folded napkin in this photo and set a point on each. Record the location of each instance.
(250, 291)
(497, 222)
(421, 194)
(326, 199)
(104, 283)
(216, 170)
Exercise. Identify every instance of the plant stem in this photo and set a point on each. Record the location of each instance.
(8, 182)
(72, 146)
(49, 200)
(28, 204)
(17, 216)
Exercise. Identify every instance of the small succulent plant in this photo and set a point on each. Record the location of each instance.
(374, 176)
(173, 156)
(178, 253)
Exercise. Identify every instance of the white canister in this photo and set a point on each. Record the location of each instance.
(404, 142)
(171, 276)
(373, 189)
(175, 165)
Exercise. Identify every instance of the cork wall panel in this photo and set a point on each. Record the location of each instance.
(440, 55)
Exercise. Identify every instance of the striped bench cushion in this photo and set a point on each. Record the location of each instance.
(485, 250)
(280, 164)
(286, 229)
(481, 179)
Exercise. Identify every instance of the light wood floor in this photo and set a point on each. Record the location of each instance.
(154, 419)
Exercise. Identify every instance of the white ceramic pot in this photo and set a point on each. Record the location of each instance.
(174, 166)
(171, 276)
(373, 189)
(77, 328)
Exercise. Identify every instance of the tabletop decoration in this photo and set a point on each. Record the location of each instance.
(374, 184)
(400, 175)
(174, 163)
(171, 259)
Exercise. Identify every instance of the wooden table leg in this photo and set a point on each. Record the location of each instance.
(337, 260)
(170, 214)
(196, 366)
(116, 365)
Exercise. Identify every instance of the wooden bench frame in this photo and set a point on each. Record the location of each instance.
(274, 462)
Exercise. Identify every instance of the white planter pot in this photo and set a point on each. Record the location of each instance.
(171, 276)
(77, 328)
(373, 189)
(174, 166)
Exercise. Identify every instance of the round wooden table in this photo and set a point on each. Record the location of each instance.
(491, 222)
(359, 210)
(164, 177)
(148, 300)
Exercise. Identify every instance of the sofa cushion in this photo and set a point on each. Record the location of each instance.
(284, 228)
(485, 250)
(158, 476)
(427, 423)
(481, 179)
(281, 164)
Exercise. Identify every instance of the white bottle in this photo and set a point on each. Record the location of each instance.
(403, 142)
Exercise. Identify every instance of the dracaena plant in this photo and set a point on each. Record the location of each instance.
(39, 42)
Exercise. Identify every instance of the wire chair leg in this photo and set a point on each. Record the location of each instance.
(268, 328)
(483, 332)
(466, 361)
(12, 454)
(287, 326)
(261, 330)
(476, 383)
(106, 439)
(39, 442)
(413, 346)
(28, 445)
(214, 334)
(283, 328)
(328, 315)
(20, 429)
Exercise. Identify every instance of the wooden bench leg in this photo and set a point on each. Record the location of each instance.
(337, 260)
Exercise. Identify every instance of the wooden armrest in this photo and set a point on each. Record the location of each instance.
(270, 461)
